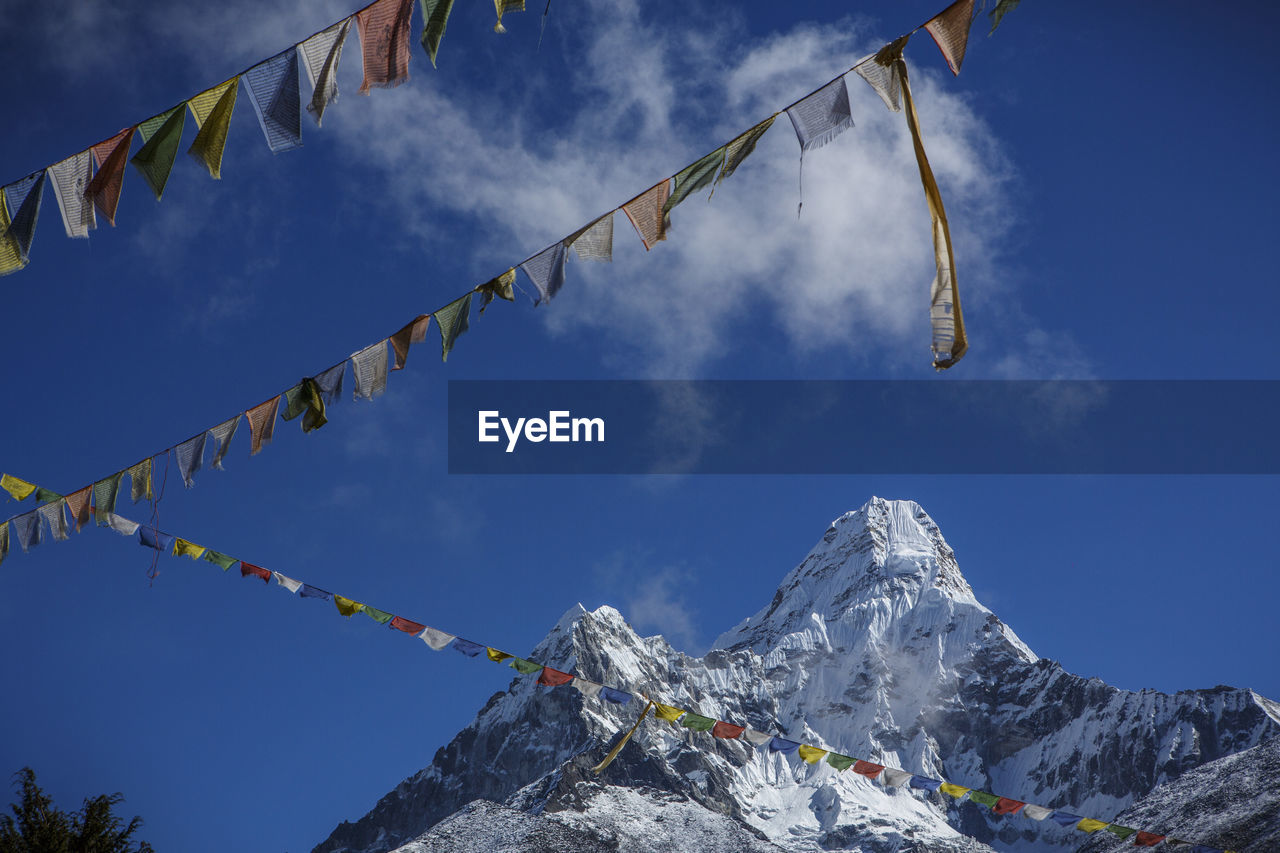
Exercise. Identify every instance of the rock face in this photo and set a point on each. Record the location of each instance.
(875, 647)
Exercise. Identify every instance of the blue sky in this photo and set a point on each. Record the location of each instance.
(1105, 171)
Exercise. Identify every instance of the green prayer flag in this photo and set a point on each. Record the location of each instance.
(379, 616)
(104, 496)
(1002, 8)
(839, 762)
(741, 147)
(525, 667)
(452, 320)
(305, 397)
(44, 496)
(1121, 832)
(983, 797)
(692, 178)
(435, 16)
(4, 540)
(218, 559)
(697, 722)
(161, 135)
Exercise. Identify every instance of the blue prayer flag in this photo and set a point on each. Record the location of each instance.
(467, 647)
(924, 783)
(1064, 819)
(617, 697)
(309, 591)
(152, 538)
(783, 745)
(273, 89)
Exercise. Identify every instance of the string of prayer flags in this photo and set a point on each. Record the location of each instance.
(501, 287)
(70, 179)
(452, 320)
(950, 31)
(595, 241)
(645, 213)
(52, 515)
(212, 109)
(504, 6)
(320, 55)
(414, 332)
(104, 496)
(189, 455)
(741, 146)
(19, 488)
(273, 91)
(1002, 8)
(262, 423)
(183, 548)
(78, 506)
(691, 179)
(304, 399)
(370, 368)
(881, 73)
(546, 271)
(140, 480)
(105, 186)
(161, 136)
(384, 43)
(435, 17)
(436, 640)
(30, 533)
(810, 754)
(286, 582)
(22, 199)
(553, 677)
(222, 435)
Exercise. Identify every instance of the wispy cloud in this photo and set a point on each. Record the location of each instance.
(652, 598)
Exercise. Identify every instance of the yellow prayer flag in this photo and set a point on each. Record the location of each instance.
(497, 656)
(667, 712)
(16, 486)
(810, 754)
(11, 259)
(1088, 824)
(183, 547)
(956, 791)
(212, 109)
(502, 7)
(346, 606)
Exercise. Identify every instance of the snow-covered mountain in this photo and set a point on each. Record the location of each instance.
(875, 647)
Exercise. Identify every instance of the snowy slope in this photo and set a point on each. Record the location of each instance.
(874, 646)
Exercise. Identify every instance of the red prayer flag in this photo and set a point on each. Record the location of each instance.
(726, 730)
(247, 569)
(1147, 839)
(414, 332)
(553, 677)
(1004, 805)
(78, 503)
(402, 624)
(104, 189)
(384, 43)
(866, 768)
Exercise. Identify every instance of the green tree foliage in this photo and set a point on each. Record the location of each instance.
(37, 826)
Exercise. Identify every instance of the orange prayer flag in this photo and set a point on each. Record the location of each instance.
(104, 189)
(384, 43)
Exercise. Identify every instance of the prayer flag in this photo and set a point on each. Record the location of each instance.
(309, 591)
(43, 495)
(140, 480)
(810, 754)
(786, 747)
(1004, 805)
(78, 504)
(1065, 819)
(595, 242)
(437, 640)
(10, 254)
(525, 667)
(728, 731)
(29, 530)
(4, 540)
(1147, 839)
(1121, 832)
(330, 382)
(161, 136)
(286, 582)
(262, 423)
(822, 115)
(382, 617)
(617, 697)
(222, 435)
(1002, 8)
(694, 177)
(984, 798)
(182, 547)
(1090, 825)
(105, 186)
(495, 655)
(52, 514)
(346, 606)
(212, 109)
(305, 397)
(220, 560)
(838, 761)
(122, 525)
(546, 271)
(895, 778)
(149, 537)
(670, 713)
(370, 368)
(452, 320)
(467, 647)
(881, 73)
(414, 332)
(16, 486)
(697, 722)
(956, 791)
(553, 677)
(587, 688)
(273, 90)
(190, 454)
(756, 738)
(868, 769)
(1036, 812)
(402, 624)
(645, 213)
(924, 783)
(104, 496)
(320, 55)
(741, 146)
(500, 288)
(248, 569)
(504, 6)
(70, 179)
(23, 201)
(950, 31)
(435, 16)
(384, 43)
